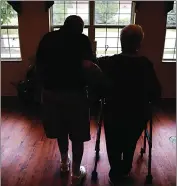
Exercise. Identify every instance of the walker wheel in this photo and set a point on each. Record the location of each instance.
(149, 179)
(94, 176)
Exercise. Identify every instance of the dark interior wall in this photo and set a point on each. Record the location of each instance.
(152, 18)
(34, 23)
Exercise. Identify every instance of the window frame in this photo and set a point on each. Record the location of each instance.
(169, 28)
(169, 60)
(15, 59)
(52, 27)
(91, 23)
(15, 27)
(117, 26)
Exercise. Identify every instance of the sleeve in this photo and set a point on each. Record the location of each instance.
(40, 59)
(97, 80)
(154, 87)
(87, 53)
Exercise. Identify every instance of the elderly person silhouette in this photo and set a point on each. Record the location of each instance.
(126, 112)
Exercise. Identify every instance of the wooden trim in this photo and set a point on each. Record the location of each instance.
(13, 102)
(91, 30)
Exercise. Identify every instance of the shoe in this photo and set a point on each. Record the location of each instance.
(120, 179)
(77, 180)
(112, 183)
(65, 166)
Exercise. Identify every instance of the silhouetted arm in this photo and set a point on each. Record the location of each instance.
(94, 76)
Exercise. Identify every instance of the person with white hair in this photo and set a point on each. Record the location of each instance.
(127, 108)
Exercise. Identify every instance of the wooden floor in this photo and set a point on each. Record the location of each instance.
(28, 158)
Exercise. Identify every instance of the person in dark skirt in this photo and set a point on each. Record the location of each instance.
(126, 112)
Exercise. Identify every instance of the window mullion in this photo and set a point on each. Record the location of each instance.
(91, 30)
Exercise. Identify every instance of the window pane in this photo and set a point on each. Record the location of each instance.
(170, 33)
(107, 36)
(112, 32)
(124, 19)
(4, 43)
(9, 15)
(82, 7)
(170, 39)
(59, 8)
(14, 42)
(100, 32)
(119, 31)
(112, 42)
(5, 52)
(84, 17)
(63, 9)
(70, 7)
(12, 33)
(100, 52)
(15, 52)
(169, 54)
(58, 19)
(171, 17)
(111, 51)
(119, 50)
(125, 7)
(119, 43)
(170, 43)
(174, 56)
(9, 36)
(10, 40)
(106, 12)
(3, 33)
(101, 42)
(111, 12)
(85, 31)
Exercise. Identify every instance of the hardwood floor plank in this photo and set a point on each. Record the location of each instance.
(30, 159)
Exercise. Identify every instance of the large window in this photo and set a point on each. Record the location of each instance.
(170, 39)
(62, 9)
(10, 47)
(110, 18)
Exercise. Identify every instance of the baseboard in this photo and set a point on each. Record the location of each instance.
(168, 104)
(12, 102)
(9, 102)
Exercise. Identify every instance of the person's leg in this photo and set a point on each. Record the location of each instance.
(130, 146)
(114, 156)
(63, 148)
(79, 132)
(77, 150)
(55, 124)
(128, 154)
(113, 144)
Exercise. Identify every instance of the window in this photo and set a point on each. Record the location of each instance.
(106, 21)
(170, 39)
(10, 47)
(62, 9)
(110, 18)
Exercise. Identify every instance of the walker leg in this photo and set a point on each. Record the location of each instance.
(94, 176)
(149, 176)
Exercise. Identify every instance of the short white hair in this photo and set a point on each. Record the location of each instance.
(131, 37)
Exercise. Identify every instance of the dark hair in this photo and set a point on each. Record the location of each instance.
(74, 23)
